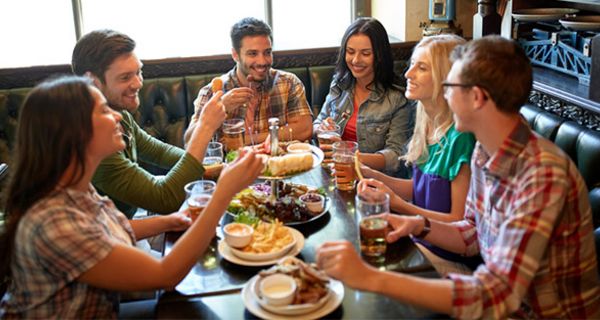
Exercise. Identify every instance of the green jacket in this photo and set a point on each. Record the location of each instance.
(130, 186)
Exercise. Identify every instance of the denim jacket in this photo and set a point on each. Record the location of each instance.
(384, 124)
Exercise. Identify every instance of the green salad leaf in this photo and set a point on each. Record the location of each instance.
(231, 156)
(246, 218)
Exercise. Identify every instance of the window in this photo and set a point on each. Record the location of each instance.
(174, 28)
(298, 24)
(43, 36)
(42, 32)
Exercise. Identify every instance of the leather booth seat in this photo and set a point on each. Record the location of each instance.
(166, 104)
(581, 144)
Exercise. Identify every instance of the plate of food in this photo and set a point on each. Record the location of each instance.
(291, 207)
(269, 241)
(542, 14)
(286, 164)
(266, 250)
(315, 294)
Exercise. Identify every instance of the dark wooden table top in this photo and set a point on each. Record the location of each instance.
(212, 288)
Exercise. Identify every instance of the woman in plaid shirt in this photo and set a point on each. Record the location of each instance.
(66, 250)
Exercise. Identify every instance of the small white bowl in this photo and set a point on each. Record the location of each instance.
(299, 147)
(238, 235)
(314, 202)
(278, 289)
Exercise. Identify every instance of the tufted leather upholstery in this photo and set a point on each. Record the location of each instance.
(580, 143)
(166, 104)
(10, 103)
(162, 112)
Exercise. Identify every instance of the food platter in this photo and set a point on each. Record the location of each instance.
(258, 204)
(581, 23)
(274, 253)
(317, 155)
(542, 14)
(251, 302)
(227, 254)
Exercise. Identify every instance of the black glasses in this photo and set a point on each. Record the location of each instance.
(446, 85)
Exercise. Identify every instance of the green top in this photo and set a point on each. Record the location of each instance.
(130, 186)
(446, 157)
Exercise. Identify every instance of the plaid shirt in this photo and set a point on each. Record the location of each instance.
(529, 216)
(58, 239)
(280, 95)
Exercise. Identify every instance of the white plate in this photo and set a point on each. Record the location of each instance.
(225, 252)
(582, 23)
(332, 303)
(249, 256)
(289, 310)
(542, 14)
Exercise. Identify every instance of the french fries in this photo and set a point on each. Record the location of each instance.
(269, 237)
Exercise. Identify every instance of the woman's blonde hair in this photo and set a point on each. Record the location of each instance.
(438, 49)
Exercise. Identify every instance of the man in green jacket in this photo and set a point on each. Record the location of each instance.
(108, 58)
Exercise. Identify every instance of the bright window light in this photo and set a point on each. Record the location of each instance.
(309, 23)
(174, 28)
(36, 32)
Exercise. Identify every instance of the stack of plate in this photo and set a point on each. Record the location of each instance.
(542, 14)
(582, 23)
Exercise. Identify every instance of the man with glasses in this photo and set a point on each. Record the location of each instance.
(108, 58)
(527, 211)
(256, 92)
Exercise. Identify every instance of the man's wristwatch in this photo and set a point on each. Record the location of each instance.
(426, 227)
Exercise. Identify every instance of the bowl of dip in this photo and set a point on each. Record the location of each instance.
(238, 235)
(314, 202)
(278, 289)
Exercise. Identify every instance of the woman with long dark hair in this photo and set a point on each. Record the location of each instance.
(66, 250)
(366, 100)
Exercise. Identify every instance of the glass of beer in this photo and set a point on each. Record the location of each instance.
(344, 153)
(326, 139)
(213, 160)
(233, 134)
(198, 194)
(372, 229)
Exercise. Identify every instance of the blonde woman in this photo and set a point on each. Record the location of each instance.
(439, 154)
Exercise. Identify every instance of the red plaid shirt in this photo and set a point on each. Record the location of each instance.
(280, 95)
(529, 216)
(58, 239)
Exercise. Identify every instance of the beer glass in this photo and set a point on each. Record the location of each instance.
(326, 139)
(213, 160)
(344, 154)
(233, 134)
(198, 194)
(372, 230)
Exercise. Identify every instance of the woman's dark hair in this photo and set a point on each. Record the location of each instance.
(383, 64)
(53, 132)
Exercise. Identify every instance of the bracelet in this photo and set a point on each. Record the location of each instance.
(426, 228)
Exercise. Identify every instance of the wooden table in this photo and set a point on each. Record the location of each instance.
(212, 288)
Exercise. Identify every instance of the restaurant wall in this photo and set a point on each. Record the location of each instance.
(405, 19)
